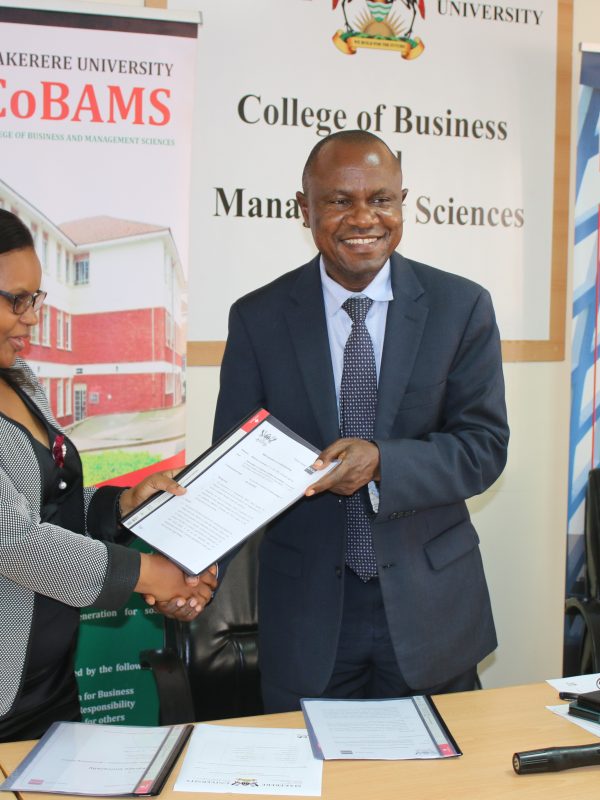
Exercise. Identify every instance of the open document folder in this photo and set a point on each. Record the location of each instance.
(99, 760)
(233, 489)
(391, 729)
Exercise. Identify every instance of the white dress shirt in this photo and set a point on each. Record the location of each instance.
(339, 323)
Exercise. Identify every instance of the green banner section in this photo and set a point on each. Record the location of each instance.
(113, 688)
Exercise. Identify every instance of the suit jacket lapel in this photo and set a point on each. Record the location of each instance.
(403, 331)
(306, 319)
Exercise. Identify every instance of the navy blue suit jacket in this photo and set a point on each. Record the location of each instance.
(442, 433)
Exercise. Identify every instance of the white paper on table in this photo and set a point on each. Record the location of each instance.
(89, 760)
(399, 728)
(563, 711)
(233, 490)
(577, 684)
(236, 760)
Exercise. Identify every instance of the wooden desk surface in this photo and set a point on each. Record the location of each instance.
(489, 727)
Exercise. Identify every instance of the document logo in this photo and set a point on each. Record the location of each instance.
(383, 25)
(245, 782)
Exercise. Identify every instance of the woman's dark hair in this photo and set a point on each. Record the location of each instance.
(14, 235)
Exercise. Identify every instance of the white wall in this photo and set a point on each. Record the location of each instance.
(523, 518)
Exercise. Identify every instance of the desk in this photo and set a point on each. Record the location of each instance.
(489, 727)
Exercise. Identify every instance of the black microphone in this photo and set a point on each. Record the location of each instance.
(553, 759)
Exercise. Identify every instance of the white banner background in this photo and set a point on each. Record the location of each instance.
(143, 177)
(275, 51)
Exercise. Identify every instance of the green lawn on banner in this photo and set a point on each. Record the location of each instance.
(109, 464)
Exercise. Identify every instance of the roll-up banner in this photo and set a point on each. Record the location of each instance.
(95, 140)
(584, 444)
(466, 95)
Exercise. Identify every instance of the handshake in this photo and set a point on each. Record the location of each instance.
(171, 591)
(163, 584)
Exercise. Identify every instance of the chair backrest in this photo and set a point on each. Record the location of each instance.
(219, 649)
(592, 535)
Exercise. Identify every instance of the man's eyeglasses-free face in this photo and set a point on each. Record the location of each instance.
(23, 302)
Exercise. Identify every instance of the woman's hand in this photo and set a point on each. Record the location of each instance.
(164, 585)
(131, 498)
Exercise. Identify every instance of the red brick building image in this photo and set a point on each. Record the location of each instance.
(111, 335)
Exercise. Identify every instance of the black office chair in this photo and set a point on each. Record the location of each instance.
(208, 668)
(583, 613)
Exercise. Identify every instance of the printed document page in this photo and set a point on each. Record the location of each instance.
(236, 489)
(400, 728)
(576, 684)
(235, 760)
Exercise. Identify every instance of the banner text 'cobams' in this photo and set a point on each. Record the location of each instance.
(55, 101)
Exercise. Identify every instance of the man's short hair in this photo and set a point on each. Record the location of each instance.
(351, 137)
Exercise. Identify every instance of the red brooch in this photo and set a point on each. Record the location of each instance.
(59, 450)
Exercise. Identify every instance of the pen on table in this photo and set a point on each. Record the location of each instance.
(568, 696)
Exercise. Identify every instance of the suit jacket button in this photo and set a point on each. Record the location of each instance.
(338, 572)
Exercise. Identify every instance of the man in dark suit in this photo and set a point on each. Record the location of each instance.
(408, 611)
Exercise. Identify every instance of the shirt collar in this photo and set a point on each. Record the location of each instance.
(334, 295)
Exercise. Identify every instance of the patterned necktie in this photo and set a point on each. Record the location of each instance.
(358, 401)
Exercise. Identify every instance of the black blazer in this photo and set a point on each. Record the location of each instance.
(442, 433)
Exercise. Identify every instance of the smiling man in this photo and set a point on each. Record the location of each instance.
(371, 586)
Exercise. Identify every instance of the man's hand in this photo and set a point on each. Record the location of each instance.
(187, 610)
(157, 482)
(359, 464)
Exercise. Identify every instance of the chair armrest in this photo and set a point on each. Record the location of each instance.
(174, 694)
(589, 611)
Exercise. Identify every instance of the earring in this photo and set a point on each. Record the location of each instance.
(304, 225)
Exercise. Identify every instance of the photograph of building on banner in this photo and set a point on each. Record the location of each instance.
(111, 361)
(96, 141)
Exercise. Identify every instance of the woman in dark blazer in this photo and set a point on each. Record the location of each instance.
(59, 543)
